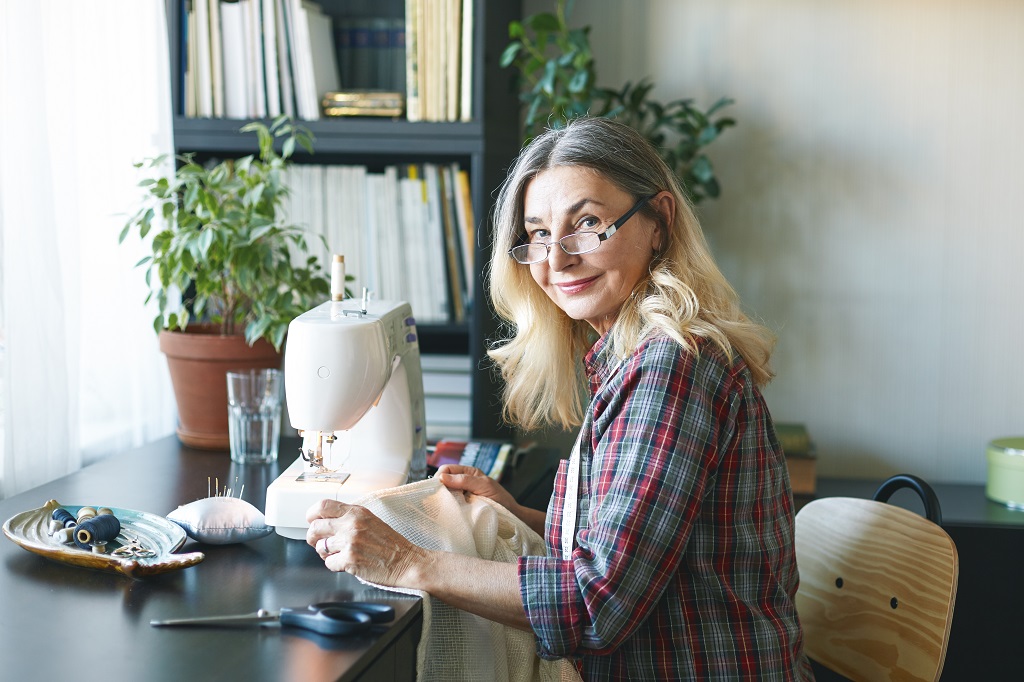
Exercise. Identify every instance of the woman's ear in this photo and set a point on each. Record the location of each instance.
(665, 206)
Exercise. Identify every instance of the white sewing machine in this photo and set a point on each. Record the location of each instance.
(354, 390)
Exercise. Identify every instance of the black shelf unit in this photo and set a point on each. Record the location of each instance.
(486, 146)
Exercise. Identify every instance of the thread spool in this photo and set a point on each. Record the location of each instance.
(65, 535)
(86, 513)
(337, 277)
(104, 510)
(97, 529)
(63, 517)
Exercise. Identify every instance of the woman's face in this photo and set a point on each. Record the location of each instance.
(589, 286)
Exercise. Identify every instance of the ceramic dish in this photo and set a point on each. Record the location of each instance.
(30, 529)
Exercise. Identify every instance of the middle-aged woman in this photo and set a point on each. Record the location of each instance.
(670, 531)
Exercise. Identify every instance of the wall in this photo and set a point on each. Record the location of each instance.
(872, 206)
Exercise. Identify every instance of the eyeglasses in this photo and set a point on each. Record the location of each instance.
(573, 244)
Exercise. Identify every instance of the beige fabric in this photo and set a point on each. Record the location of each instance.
(456, 645)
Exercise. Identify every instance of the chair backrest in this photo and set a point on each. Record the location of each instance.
(877, 588)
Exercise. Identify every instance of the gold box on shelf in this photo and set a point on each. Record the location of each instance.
(363, 103)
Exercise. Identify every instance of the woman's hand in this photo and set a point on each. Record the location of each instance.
(473, 480)
(352, 539)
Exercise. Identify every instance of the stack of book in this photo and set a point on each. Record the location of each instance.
(256, 58)
(262, 58)
(491, 457)
(439, 60)
(406, 233)
(447, 394)
(801, 457)
(371, 52)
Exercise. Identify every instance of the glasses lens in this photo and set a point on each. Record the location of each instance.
(581, 242)
(529, 253)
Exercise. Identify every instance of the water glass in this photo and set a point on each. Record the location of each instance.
(254, 415)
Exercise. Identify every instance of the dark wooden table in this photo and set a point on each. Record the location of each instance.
(61, 622)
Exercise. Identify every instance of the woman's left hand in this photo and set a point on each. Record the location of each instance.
(352, 539)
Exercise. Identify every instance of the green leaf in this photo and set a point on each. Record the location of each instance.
(547, 82)
(206, 238)
(701, 169)
(510, 53)
(145, 222)
(259, 232)
(580, 82)
(544, 21)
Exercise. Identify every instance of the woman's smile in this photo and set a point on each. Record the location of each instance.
(575, 286)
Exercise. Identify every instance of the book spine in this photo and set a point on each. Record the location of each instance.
(412, 76)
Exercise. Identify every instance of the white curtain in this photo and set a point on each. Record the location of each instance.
(84, 93)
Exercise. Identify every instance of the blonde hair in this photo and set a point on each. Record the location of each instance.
(684, 295)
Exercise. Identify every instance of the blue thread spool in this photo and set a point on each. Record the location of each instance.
(63, 517)
(103, 528)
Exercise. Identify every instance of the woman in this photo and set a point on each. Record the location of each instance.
(670, 531)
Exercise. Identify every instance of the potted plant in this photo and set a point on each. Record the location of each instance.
(559, 83)
(228, 273)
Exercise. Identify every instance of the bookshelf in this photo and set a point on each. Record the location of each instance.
(484, 146)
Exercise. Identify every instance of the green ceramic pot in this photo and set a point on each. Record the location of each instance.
(1006, 471)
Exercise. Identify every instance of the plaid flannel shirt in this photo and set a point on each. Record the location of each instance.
(683, 565)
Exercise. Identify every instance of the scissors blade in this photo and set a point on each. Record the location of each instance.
(258, 618)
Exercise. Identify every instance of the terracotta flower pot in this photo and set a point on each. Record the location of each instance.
(198, 360)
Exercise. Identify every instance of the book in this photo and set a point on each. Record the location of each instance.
(204, 60)
(467, 228)
(794, 439)
(491, 457)
(803, 475)
(284, 60)
(466, 77)
(322, 51)
(271, 68)
(234, 54)
(801, 457)
(190, 50)
(216, 59)
(363, 103)
(453, 68)
(435, 241)
(256, 85)
(452, 245)
(413, 110)
(396, 48)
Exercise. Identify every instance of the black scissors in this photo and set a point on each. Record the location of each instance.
(327, 618)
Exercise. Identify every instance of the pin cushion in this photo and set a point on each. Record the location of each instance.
(221, 520)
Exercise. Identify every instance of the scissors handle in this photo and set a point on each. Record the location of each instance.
(327, 621)
(378, 613)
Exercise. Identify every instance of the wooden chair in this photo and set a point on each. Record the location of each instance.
(877, 585)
